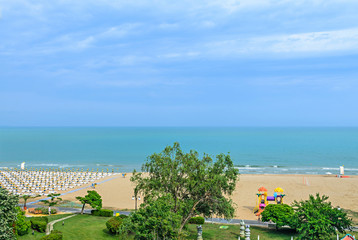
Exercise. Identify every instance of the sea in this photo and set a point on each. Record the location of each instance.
(266, 150)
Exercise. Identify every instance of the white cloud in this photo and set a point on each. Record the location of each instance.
(119, 31)
(85, 43)
(301, 43)
(346, 39)
(208, 24)
(168, 25)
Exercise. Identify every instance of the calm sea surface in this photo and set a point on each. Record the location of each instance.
(253, 150)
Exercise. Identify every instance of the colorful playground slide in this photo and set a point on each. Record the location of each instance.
(348, 237)
(263, 199)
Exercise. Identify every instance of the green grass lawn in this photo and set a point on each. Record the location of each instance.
(38, 235)
(92, 227)
(212, 231)
(85, 227)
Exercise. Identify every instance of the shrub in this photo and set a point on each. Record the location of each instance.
(39, 210)
(43, 218)
(39, 223)
(123, 216)
(22, 226)
(197, 220)
(281, 214)
(54, 235)
(102, 213)
(45, 210)
(113, 224)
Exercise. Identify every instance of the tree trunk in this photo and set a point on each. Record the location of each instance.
(190, 214)
(83, 208)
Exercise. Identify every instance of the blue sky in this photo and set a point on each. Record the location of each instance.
(179, 63)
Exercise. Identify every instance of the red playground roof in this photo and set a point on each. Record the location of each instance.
(348, 237)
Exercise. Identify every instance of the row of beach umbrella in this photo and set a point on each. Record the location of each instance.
(45, 181)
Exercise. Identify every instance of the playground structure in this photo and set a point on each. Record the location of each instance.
(348, 237)
(263, 200)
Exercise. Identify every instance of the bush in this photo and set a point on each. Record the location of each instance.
(316, 218)
(102, 213)
(43, 218)
(22, 226)
(113, 224)
(197, 220)
(39, 210)
(39, 223)
(123, 216)
(281, 214)
(54, 235)
(45, 210)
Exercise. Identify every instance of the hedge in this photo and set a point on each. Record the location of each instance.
(123, 216)
(43, 218)
(113, 224)
(102, 213)
(54, 235)
(197, 220)
(39, 223)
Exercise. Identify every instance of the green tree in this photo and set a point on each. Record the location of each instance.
(92, 198)
(54, 200)
(27, 197)
(154, 219)
(281, 214)
(315, 218)
(22, 226)
(197, 186)
(8, 213)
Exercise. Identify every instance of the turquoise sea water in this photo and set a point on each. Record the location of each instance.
(253, 150)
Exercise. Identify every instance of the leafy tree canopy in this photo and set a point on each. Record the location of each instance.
(315, 218)
(281, 214)
(197, 186)
(27, 197)
(8, 213)
(154, 220)
(92, 198)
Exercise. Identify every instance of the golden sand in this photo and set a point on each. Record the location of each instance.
(117, 193)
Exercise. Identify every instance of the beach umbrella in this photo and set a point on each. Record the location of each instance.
(279, 190)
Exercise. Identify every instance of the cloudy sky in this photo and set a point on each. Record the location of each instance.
(179, 63)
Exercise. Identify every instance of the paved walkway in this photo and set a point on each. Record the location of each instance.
(49, 226)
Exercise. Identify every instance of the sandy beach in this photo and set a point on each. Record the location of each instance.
(117, 193)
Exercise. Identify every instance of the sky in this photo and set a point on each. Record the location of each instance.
(179, 63)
